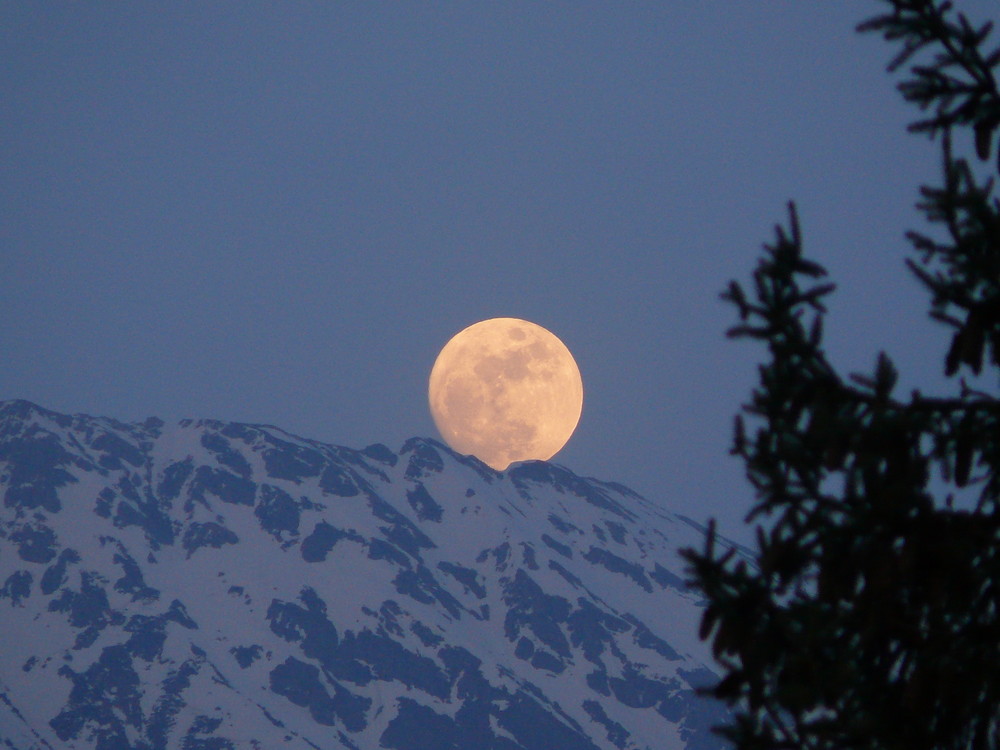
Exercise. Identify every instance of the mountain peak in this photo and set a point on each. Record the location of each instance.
(216, 584)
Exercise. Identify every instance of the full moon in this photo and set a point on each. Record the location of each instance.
(506, 390)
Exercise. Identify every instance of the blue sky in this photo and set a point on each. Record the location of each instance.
(280, 213)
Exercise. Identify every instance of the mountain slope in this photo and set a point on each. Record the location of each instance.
(216, 585)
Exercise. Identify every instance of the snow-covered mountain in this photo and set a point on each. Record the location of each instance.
(212, 585)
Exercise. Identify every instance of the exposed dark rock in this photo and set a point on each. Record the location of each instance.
(174, 477)
(177, 613)
(616, 564)
(88, 607)
(103, 503)
(468, 577)
(307, 626)
(246, 655)
(645, 638)
(299, 682)
(616, 732)
(569, 577)
(617, 531)
(425, 506)
(389, 660)
(564, 526)
(338, 480)
(424, 460)
(422, 586)
(417, 727)
(225, 454)
(562, 549)
(132, 581)
(172, 699)
(426, 635)
(229, 488)
(402, 531)
(16, 587)
(598, 682)
(289, 461)
(277, 511)
(148, 634)
(666, 579)
(592, 629)
(636, 691)
(379, 549)
(528, 556)
(55, 574)
(116, 452)
(529, 606)
(145, 511)
(208, 534)
(321, 540)
(36, 466)
(35, 544)
(540, 472)
(104, 699)
(381, 453)
(545, 660)
(206, 725)
(537, 729)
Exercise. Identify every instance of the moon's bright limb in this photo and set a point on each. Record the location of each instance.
(506, 390)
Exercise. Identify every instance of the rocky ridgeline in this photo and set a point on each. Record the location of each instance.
(213, 585)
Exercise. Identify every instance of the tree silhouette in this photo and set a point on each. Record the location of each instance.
(869, 615)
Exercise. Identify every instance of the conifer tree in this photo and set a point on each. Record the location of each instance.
(869, 614)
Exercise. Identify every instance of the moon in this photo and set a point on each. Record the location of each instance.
(506, 390)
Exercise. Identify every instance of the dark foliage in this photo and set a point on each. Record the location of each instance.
(870, 616)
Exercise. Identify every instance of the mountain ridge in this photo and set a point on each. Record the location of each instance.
(211, 584)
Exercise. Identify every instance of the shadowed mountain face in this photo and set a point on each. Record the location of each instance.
(212, 585)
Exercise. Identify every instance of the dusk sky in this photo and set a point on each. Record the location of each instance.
(280, 212)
